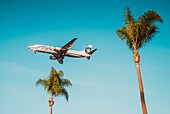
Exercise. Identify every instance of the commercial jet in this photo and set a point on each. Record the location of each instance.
(60, 53)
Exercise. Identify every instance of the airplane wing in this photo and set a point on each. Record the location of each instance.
(68, 45)
(63, 50)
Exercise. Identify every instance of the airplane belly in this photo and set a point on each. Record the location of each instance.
(74, 55)
(47, 51)
(51, 52)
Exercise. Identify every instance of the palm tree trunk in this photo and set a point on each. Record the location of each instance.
(51, 110)
(137, 60)
(144, 109)
(51, 102)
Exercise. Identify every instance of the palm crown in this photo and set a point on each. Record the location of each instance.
(140, 32)
(55, 84)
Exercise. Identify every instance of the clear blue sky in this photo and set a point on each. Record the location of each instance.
(107, 84)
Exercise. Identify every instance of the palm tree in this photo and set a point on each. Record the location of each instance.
(137, 34)
(55, 85)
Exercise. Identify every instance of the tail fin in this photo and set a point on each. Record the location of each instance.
(88, 49)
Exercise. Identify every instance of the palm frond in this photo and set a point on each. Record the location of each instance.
(123, 35)
(147, 34)
(129, 20)
(42, 82)
(64, 93)
(129, 44)
(150, 16)
(66, 83)
(50, 82)
(60, 73)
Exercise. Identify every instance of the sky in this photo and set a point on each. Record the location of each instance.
(106, 84)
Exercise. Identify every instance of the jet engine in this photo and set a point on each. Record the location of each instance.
(52, 58)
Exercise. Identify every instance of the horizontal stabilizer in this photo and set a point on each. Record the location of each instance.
(91, 52)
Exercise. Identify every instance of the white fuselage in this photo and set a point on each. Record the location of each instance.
(56, 51)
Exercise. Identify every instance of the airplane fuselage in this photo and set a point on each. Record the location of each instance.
(56, 51)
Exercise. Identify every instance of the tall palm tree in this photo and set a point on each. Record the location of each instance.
(137, 34)
(55, 85)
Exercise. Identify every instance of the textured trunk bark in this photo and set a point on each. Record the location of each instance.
(144, 109)
(137, 61)
(51, 102)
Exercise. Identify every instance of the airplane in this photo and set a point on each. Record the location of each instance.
(60, 53)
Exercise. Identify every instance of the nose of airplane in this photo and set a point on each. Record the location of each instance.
(29, 47)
